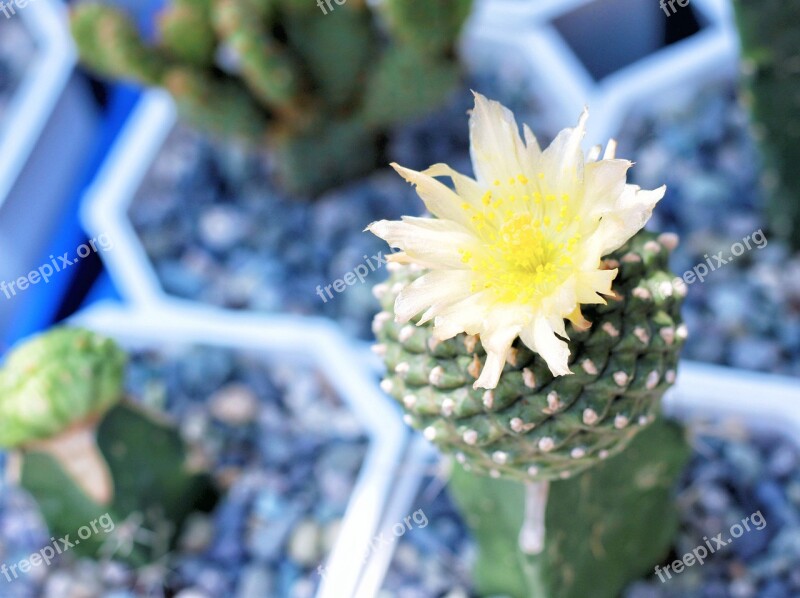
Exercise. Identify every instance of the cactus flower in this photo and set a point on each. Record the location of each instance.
(518, 249)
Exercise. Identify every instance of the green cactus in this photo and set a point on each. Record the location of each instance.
(604, 528)
(770, 36)
(56, 381)
(298, 75)
(534, 426)
(538, 432)
(84, 453)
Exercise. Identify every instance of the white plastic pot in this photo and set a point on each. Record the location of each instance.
(569, 61)
(45, 135)
(104, 209)
(39, 91)
(291, 340)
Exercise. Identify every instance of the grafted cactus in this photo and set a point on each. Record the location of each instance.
(770, 35)
(530, 329)
(320, 84)
(87, 455)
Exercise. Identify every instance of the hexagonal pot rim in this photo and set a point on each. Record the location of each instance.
(104, 209)
(665, 77)
(295, 339)
(39, 90)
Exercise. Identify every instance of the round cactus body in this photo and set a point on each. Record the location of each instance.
(533, 426)
(55, 380)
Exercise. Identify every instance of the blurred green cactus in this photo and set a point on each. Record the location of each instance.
(770, 36)
(539, 432)
(57, 380)
(320, 83)
(84, 453)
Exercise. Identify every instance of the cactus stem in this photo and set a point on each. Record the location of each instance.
(532, 533)
(76, 451)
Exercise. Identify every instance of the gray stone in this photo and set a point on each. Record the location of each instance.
(198, 533)
(256, 582)
(305, 544)
(234, 404)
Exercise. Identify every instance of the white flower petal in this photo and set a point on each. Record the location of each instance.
(436, 224)
(434, 246)
(532, 149)
(540, 337)
(562, 161)
(604, 182)
(467, 188)
(467, 315)
(496, 344)
(559, 326)
(492, 369)
(563, 299)
(629, 215)
(437, 287)
(495, 145)
(611, 150)
(440, 200)
(593, 282)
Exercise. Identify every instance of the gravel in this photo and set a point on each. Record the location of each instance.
(285, 448)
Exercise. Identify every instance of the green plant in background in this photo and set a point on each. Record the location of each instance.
(323, 88)
(770, 36)
(83, 452)
(531, 407)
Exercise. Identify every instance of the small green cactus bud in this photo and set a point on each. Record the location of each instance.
(56, 381)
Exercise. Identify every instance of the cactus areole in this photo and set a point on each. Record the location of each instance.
(530, 327)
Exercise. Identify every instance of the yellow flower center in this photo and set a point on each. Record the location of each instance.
(529, 240)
